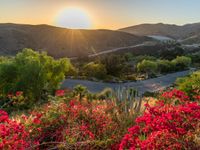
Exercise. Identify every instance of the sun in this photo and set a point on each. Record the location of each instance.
(74, 18)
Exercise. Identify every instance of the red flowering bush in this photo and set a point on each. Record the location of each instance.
(172, 123)
(75, 124)
(13, 135)
(165, 125)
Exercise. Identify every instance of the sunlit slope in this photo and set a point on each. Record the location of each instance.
(189, 33)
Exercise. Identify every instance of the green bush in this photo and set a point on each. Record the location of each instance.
(165, 66)
(96, 70)
(182, 62)
(33, 73)
(147, 66)
(190, 84)
(113, 64)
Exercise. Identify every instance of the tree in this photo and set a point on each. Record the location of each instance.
(165, 66)
(147, 66)
(181, 62)
(146, 57)
(96, 70)
(33, 73)
(128, 56)
(172, 53)
(113, 64)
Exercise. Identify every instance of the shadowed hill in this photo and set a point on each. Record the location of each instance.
(61, 42)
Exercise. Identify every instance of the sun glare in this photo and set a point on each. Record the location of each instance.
(74, 18)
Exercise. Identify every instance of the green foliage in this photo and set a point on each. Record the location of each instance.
(113, 64)
(72, 71)
(96, 70)
(182, 62)
(172, 53)
(80, 91)
(165, 66)
(128, 56)
(147, 66)
(127, 98)
(33, 73)
(146, 57)
(190, 84)
(195, 58)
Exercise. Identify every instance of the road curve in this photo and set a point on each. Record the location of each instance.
(112, 50)
(150, 85)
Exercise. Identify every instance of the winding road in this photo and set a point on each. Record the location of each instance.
(112, 50)
(151, 85)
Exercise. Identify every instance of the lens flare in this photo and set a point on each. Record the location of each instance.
(74, 18)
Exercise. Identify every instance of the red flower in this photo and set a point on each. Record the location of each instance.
(18, 93)
(60, 93)
(165, 125)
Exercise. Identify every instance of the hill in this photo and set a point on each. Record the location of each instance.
(62, 42)
(189, 33)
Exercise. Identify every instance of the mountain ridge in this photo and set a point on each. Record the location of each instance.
(177, 32)
(63, 42)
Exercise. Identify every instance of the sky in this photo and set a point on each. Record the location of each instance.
(95, 14)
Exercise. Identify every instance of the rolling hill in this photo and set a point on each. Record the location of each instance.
(187, 34)
(62, 42)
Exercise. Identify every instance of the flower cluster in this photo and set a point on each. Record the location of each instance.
(72, 123)
(173, 122)
(60, 93)
(12, 134)
(165, 125)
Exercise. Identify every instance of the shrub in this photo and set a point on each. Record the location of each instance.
(165, 125)
(147, 66)
(13, 134)
(113, 64)
(33, 73)
(165, 66)
(73, 125)
(95, 70)
(181, 62)
(190, 84)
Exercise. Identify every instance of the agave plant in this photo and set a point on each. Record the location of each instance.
(128, 97)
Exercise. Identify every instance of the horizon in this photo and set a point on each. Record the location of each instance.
(99, 14)
(102, 28)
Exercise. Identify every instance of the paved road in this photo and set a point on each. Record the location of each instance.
(150, 85)
(115, 49)
(112, 50)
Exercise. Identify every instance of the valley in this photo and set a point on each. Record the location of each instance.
(99, 75)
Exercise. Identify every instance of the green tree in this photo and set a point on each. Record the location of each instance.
(128, 56)
(96, 70)
(113, 64)
(165, 66)
(172, 53)
(147, 66)
(33, 73)
(182, 62)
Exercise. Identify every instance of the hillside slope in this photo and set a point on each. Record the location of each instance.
(61, 42)
(182, 33)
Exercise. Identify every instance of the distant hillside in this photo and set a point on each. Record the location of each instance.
(61, 42)
(189, 33)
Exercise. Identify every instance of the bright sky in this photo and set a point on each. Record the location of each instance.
(111, 14)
